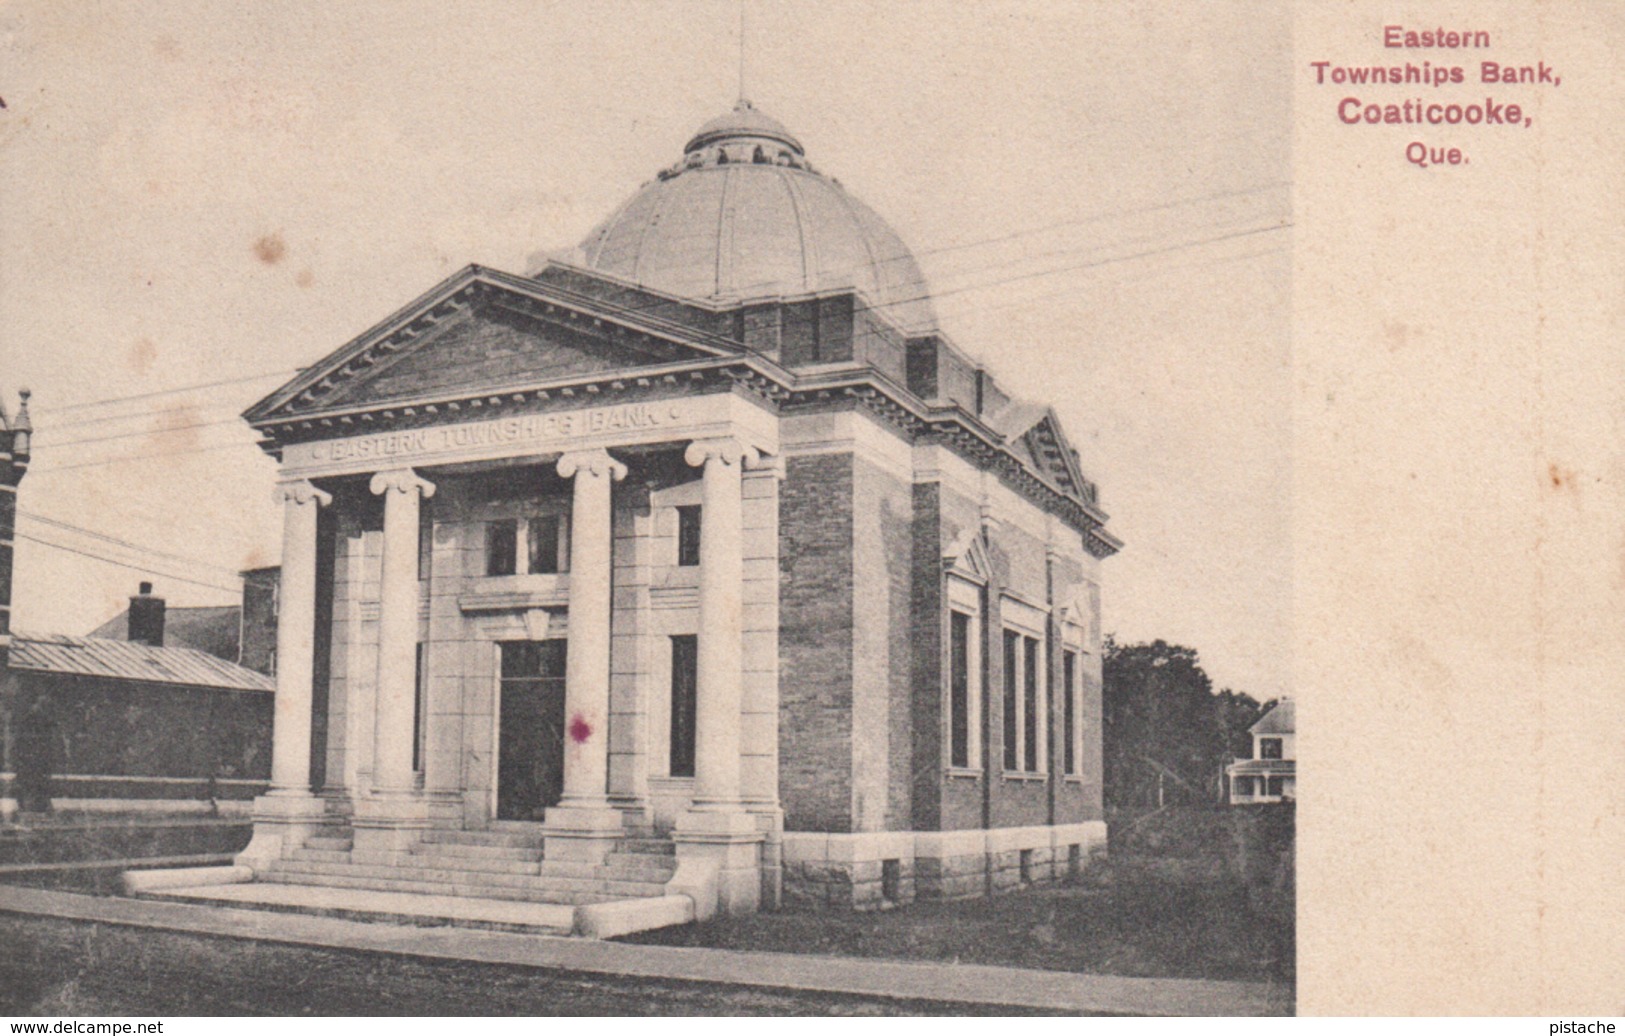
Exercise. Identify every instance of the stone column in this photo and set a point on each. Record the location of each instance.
(295, 639)
(721, 641)
(288, 813)
(403, 492)
(583, 825)
(718, 841)
(586, 664)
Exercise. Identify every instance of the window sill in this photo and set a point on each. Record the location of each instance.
(1076, 778)
(964, 773)
(1018, 775)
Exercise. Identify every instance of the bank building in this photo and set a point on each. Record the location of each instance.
(694, 571)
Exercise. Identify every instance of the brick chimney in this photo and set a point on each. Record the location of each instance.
(146, 618)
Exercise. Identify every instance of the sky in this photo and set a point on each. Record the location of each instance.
(216, 195)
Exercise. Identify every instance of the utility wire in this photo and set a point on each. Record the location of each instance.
(952, 291)
(153, 432)
(139, 457)
(982, 242)
(126, 544)
(170, 392)
(124, 564)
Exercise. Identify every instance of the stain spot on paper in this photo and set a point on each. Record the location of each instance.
(270, 249)
(1560, 477)
(305, 278)
(142, 355)
(580, 729)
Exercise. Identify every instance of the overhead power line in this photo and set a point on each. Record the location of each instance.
(125, 544)
(235, 590)
(622, 310)
(942, 249)
(150, 432)
(170, 392)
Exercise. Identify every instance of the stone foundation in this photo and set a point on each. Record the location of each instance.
(875, 871)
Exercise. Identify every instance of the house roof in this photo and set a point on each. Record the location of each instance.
(1279, 720)
(122, 660)
(214, 630)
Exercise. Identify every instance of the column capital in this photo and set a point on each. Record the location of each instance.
(726, 450)
(401, 480)
(301, 491)
(596, 463)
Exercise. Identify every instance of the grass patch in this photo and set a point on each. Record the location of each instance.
(1135, 925)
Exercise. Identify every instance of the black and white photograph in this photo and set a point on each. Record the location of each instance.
(719, 507)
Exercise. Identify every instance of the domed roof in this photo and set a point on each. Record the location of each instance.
(743, 216)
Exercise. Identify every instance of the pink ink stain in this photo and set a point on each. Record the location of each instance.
(580, 730)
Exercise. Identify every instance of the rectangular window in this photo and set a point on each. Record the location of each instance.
(1030, 701)
(1012, 665)
(959, 689)
(688, 535)
(1244, 787)
(1269, 748)
(1274, 786)
(542, 536)
(420, 710)
(1069, 691)
(685, 658)
(501, 547)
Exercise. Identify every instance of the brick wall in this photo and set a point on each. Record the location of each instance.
(882, 749)
(815, 643)
(925, 635)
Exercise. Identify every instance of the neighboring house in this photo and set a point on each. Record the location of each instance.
(245, 634)
(100, 723)
(697, 564)
(1271, 774)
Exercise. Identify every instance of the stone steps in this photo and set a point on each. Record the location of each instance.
(648, 846)
(436, 888)
(502, 863)
(450, 862)
(461, 850)
(496, 838)
(322, 855)
(623, 868)
(596, 885)
(407, 872)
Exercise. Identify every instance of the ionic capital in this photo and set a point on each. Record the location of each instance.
(727, 451)
(401, 480)
(595, 463)
(301, 491)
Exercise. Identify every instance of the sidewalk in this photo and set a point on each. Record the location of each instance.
(959, 983)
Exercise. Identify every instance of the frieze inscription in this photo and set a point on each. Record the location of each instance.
(527, 428)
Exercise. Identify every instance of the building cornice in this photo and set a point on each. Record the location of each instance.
(724, 364)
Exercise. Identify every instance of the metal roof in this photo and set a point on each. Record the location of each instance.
(122, 660)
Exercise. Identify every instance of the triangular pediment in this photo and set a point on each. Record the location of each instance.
(481, 332)
(967, 558)
(1048, 450)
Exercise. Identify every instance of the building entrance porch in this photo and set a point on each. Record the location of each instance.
(515, 635)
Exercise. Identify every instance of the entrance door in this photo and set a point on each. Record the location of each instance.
(530, 746)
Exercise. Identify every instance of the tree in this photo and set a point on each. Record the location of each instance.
(1165, 725)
